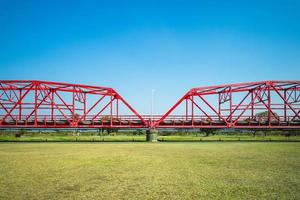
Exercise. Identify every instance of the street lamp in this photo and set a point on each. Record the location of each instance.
(152, 104)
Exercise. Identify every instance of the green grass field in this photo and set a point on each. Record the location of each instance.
(217, 170)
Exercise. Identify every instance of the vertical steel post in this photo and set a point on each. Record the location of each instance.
(230, 105)
(186, 109)
(111, 109)
(117, 108)
(52, 104)
(84, 106)
(269, 104)
(219, 109)
(252, 105)
(192, 110)
(73, 106)
(35, 104)
(284, 105)
(20, 105)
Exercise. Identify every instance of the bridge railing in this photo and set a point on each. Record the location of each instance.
(214, 121)
(132, 121)
(61, 121)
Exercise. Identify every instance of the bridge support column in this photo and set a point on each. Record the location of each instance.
(151, 135)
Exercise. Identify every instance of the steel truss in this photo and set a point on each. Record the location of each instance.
(42, 104)
(238, 106)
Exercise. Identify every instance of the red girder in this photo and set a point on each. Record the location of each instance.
(44, 104)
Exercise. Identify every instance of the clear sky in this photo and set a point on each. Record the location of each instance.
(137, 46)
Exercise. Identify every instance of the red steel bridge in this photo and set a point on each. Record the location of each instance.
(43, 104)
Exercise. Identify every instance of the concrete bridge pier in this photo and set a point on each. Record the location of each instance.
(151, 135)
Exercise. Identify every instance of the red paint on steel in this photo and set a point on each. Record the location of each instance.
(44, 104)
(280, 100)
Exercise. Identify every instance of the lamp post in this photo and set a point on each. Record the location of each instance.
(152, 104)
(151, 133)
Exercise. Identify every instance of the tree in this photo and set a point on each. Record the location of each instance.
(263, 116)
(209, 132)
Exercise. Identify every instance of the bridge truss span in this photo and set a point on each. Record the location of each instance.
(42, 104)
(264, 104)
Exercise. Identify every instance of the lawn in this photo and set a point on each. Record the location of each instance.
(231, 170)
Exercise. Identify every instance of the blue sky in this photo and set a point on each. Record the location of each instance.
(136, 46)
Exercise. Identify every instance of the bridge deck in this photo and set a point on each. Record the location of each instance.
(133, 122)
